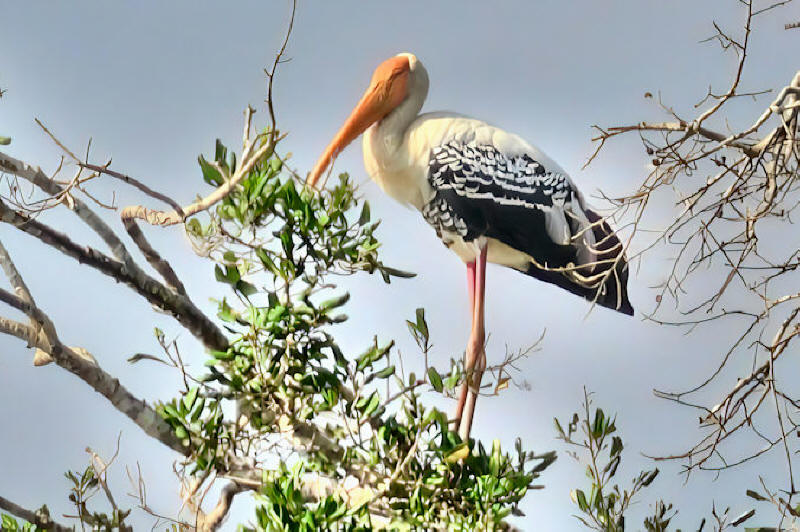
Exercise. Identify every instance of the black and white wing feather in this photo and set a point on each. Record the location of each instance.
(481, 192)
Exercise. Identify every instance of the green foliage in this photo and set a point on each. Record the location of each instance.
(354, 417)
(284, 507)
(9, 524)
(204, 434)
(84, 486)
(603, 506)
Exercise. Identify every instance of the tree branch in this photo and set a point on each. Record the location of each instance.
(131, 181)
(80, 363)
(686, 127)
(181, 308)
(24, 301)
(165, 218)
(156, 261)
(40, 518)
(751, 193)
(37, 177)
(213, 519)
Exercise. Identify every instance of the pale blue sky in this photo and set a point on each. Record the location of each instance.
(154, 83)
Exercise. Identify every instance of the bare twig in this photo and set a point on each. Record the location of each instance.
(37, 177)
(133, 182)
(729, 222)
(271, 75)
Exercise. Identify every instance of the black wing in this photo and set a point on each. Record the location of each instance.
(480, 191)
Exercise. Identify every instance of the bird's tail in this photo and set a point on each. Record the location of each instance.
(612, 263)
(603, 280)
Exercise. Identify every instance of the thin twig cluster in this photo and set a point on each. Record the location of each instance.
(736, 254)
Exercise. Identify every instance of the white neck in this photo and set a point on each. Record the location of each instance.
(385, 137)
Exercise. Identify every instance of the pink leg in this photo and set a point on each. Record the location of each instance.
(471, 286)
(462, 396)
(476, 356)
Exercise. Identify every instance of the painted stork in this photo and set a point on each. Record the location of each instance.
(488, 194)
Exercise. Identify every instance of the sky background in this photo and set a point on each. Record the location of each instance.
(154, 83)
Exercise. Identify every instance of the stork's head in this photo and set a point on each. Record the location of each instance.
(390, 86)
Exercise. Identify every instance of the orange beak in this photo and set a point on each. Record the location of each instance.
(388, 88)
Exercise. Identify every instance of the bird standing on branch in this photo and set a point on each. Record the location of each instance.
(489, 195)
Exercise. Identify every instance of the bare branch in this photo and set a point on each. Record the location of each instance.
(691, 128)
(36, 176)
(24, 302)
(213, 519)
(131, 181)
(736, 194)
(156, 261)
(271, 74)
(154, 292)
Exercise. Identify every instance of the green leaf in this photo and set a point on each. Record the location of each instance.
(223, 355)
(245, 288)
(190, 398)
(267, 261)
(460, 452)
(422, 325)
(220, 151)
(394, 272)
(262, 180)
(219, 275)
(581, 500)
(385, 373)
(495, 458)
(611, 467)
(198, 410)
(287, 243)
(744, 517)
(755, 495)
(559, 429)
(335, 302)
(144, 356)
(597, 426)
(172, 412)
(364, 217)
(276, 313)
(232, 161)
(374, 401)
(651, 476)
(435, 379)
(616, 445)
(373, 354)
(180, 432)
(232, 274)
(9, 523)
(210, 174)
(225, 312)
(194, 227)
